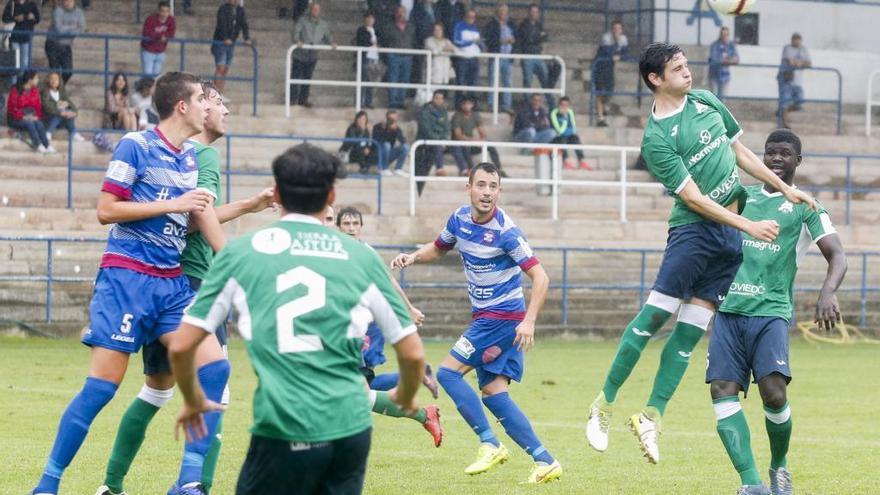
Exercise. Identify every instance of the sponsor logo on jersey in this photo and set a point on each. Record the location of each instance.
(166, 158)
(746, 289)
(684, 354)
(700, 107)
(271, 241)
(674, 131)
(710, 147)
(123, 338)
(175, 230)
(751, 200)
(163, 194)
(190, 162)
(317, 244)
(488, 237)
(786, 207)
(464, 347)
(725, 187)
(641, 333)
(478, 292)
(472, 267)
(705, 136)
(762, 245)
(465, 230)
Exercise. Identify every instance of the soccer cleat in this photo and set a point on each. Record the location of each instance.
(544, 473)
(568, 164)
(780, 481)
(753, 490)
(648, 432)
(488, 457)
(430, 382)
(597, 427)
(105, 490)
(186, 490)
(432, 424)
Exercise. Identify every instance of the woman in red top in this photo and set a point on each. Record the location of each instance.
(24, 111)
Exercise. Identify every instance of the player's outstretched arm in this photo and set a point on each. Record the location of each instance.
(752, 165)
(257, 203)
(206, 222)
(114, 209)
(411, 363)
(425, 254)
(525, 331)
(182, 354)
(764, 230)
(827, 309)
(414, 312)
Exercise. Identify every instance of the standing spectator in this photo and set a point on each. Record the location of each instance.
(58, 109)
(360, 148)
(467, 126)
(449, 12)
(532, 123)
(25, 14)
(366, 37)
(499, 35)
(433, 124)
(530, 38)
(722, 54)
(441, 48)
(118, 112)
(141, 101)
(68, 21)
(795, 58)
(384, 10)
(562, 119)
(159, 27)
(398, 34)
(24, 111)
(231, 21)
(466, 38)
(422, 18)
(188, 8)
(612, 48)
(388, 134)
(308, 30)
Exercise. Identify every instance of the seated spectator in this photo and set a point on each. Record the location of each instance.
(467, 126)
(722, 54)
(532, 123)
(58, 110)
(433, 124)
(612, 48)
(562, 119)
(466, 38)
(118, 114)
(359, 148)
(24, 111)
(388, 135)
(142, 103)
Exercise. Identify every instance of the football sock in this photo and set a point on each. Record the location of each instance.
(385, 381)
(382, 404)
(131, 433)
(73, 428)
(692, 323)
(651, 318)
(213, 377)
(468, 404)
(517, 426)
(778, 423)
(212, 457)
(734, 432)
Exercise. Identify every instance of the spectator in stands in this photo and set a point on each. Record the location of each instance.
(562, 120)
(25, 15)
(231, 21)
(433, 124)
(467, 126)
(68, 21)
(466, 38)
(58, 109)
(449, 12)
(159, 27)
(142, 102)
(612, 48)
(118, 113)
(499, 36)
(24, 111)
(360, 148)
(441, 48)
(530, 38)
(366, 37)
(532, 122)
(187, 7)
(795, 58)
(384, 11)
(398, 34)
(722, 54)
(394, 148)
(422, 18)
(308, 30)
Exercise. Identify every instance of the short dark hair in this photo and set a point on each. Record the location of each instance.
(534, 6)
(304, 177)
(25, 77)
(785, 136)
(390, 112)
(565, 98)
(144, 83)
(489, 168)
(349, 211)
(654, 58)
(164, 3)
(617, 21)
(438, 92)
(172, 87)
(208, 87)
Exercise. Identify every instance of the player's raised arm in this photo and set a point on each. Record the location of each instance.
(752, 165)
(255, 204)
(765, 230)
(425, 254)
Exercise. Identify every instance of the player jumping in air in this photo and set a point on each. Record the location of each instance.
(750, 334)
(494, 253)
(304, 294)
(691, 145)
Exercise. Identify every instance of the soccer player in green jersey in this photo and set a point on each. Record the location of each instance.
(691, 145)
(304, 295)
(750, 333)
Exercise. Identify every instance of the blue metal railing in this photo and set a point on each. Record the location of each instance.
(107, 72)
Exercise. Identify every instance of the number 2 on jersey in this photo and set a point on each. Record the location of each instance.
(314, 298)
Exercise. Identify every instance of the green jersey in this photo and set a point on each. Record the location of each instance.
(763, 284)
(304, 295)
(197, 255)
(693, 143)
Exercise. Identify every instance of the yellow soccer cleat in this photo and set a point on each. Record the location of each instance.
(647, 430)
(545, 473)
(487, 458)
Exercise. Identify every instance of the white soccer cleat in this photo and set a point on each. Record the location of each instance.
(104, 490)
(597, 428)
(648, 432)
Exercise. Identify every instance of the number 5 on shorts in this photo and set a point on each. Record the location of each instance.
(314, 298)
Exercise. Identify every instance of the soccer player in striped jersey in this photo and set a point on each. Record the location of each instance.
(494, 253)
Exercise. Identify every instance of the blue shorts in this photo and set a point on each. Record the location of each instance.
(373, 352)
(487, 345)
(743, 345)
(130, 309)
(700, 260)
(222, 53)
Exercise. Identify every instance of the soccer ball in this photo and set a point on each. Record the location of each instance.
(731, 7)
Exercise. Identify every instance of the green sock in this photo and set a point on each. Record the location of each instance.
(386, 407)
(129, 437)
(778, 423)
(634, 339)
(673, 363)
(211, 458)
(734, 432)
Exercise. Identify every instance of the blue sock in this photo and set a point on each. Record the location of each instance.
(517, 426)
(468, 404)
(213, 377)
(385, 381)
(73, 428)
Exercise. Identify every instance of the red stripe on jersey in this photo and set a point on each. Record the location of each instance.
(165, 139)
(442, 245)
(111, 260)
(499, 315)
(116, 190)
(529, 263)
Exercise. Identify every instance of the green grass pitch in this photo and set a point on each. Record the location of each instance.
(834, 398)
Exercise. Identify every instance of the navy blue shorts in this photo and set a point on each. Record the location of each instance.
(700, 260)
(487, 345)
(740, 346)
